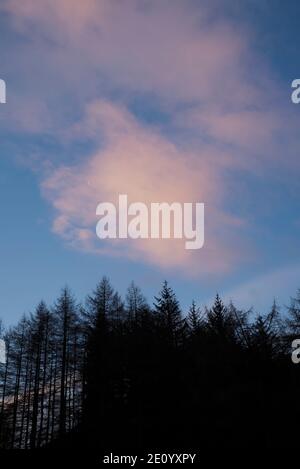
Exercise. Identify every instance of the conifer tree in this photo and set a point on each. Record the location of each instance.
(66, 316)
(168, 313)
(194, 319)
(219, 321)
(135, 303)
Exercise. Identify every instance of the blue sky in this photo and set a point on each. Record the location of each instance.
(177, 101)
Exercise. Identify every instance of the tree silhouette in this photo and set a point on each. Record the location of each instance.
(115, 374)
(168, 314)
(194, 319)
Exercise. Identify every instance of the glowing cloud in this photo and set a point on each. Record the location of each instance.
(137, 161)
(194, 68)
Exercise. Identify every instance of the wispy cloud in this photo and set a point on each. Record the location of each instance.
(138, 161)
(225, 113)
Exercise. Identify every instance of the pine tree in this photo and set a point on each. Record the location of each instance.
(168, 314)
(266, 332)
(99, 304)
(66, 315)
(40, 332)
(19, 354)
(219, 322)
(136, 303)
(117, 313)
(194, 319)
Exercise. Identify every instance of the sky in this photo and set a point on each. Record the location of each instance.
(164, 101)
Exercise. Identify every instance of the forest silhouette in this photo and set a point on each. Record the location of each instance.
(120, 374)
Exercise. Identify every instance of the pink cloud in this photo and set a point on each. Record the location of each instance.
(203, 75)
(165, 48)
(138, 161)
(244, 128)
(171, 50)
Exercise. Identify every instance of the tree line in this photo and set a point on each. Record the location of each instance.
(116, 373)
